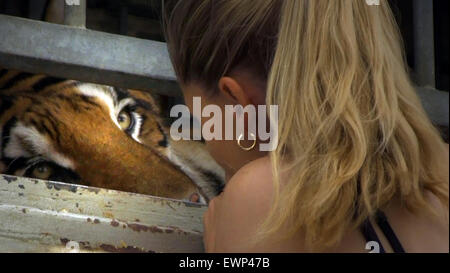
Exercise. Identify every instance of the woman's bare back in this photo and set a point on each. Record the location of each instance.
(417, 233)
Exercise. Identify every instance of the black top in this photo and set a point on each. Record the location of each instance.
(369, 233)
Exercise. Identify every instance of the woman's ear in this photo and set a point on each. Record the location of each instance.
(231, 89)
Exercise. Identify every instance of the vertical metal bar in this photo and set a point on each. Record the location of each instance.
(36, 9)
(424, 57)
(123, 19)
(75, 13)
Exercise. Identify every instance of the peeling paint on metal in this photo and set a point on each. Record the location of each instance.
(44, 214)
(9, 179)
(139, 228)
(128, 249)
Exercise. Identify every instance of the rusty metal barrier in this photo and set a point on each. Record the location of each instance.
(44, 216)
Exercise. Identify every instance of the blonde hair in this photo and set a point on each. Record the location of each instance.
(352, 132)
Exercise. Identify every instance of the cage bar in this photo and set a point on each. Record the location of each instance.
(86, 55)
(424, 57)
(75, 13)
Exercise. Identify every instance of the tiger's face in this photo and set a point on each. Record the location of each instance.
(89, 134)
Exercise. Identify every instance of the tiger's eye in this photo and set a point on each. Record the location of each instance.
(42, 172)
(124, 120)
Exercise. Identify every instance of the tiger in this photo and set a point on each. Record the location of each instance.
(99, 136)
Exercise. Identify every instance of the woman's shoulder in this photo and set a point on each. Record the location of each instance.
(254, 179)
(248, 197)
(260, 168)
(241, 207)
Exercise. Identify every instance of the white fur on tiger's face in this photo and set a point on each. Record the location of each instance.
(99, 136)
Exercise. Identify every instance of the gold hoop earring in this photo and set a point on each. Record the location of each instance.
(241, 136)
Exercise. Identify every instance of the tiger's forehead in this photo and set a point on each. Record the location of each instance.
(14, 83)
(117, 98)
(34, 117)
(104, 94)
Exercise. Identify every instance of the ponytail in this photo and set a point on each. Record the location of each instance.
(353, 134)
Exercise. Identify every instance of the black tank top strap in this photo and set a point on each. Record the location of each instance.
(389, 233)
(370, 234)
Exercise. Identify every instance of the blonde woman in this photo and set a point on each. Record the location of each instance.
(358, 165)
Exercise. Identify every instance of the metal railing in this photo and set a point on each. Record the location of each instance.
(74, 52)
(44, 216)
